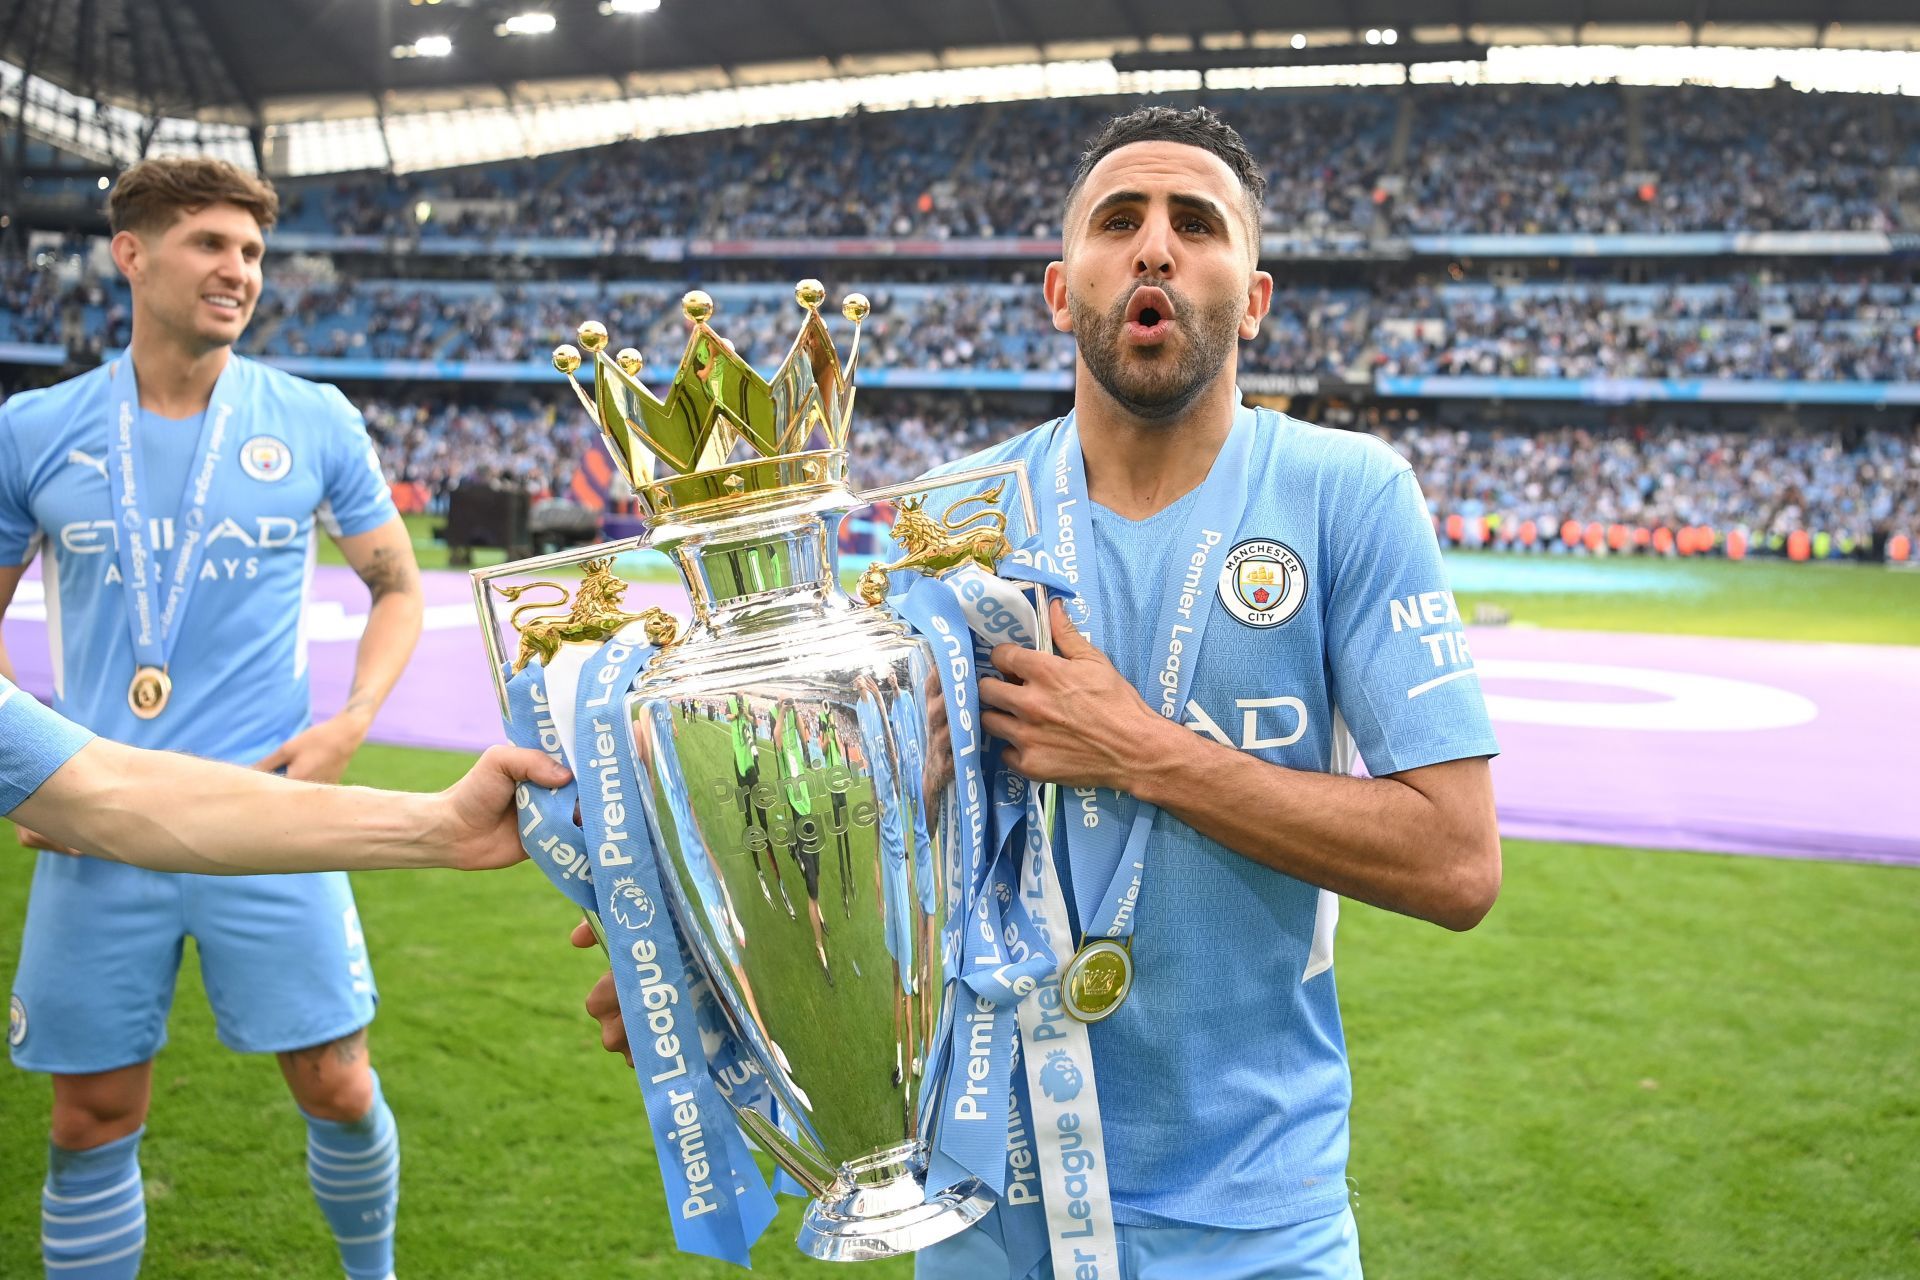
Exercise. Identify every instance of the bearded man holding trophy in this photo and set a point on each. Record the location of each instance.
(1089, 1039)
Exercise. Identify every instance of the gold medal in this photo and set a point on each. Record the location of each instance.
(148, 693)
(1096, 980)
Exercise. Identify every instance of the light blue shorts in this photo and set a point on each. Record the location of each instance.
(1325, 1248)
(282, 958)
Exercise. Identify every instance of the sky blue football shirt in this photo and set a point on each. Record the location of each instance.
(297, 455)
(34, 742)
(1224, 1084)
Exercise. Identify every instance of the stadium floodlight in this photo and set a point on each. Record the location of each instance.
(1299, 41)
(433, 46)
(1388, 35)
(105, 183)
(526, 24)
(611, 7)
(1373, 35)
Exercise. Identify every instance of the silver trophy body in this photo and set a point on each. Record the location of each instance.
(793, 754)
(787, 750)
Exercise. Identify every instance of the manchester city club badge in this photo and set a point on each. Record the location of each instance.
(266, 458)
(1263, 583)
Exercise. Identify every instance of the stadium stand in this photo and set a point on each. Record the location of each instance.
(1427, 245)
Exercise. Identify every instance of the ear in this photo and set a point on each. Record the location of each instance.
(129, 253)
(1259, 300)
(1054, 285)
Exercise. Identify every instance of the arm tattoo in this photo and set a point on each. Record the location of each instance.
(388, 571)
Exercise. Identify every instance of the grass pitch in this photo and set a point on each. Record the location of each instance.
(1761, 598)
(1644, 1064)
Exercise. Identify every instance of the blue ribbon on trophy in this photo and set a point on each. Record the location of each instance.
(719, 1203)
(1003, 956)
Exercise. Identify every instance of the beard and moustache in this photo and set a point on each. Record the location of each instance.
(1159, 384)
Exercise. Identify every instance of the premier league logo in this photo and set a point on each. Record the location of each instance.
(266, 459)
(1060, 1077)
(16, 1022)
(1263, 583)
(630, 905)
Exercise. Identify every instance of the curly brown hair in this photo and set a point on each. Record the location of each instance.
(152, 194)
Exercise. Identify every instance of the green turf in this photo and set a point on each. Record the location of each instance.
(1759, 598)
(1763, 599)
(1642, 1065)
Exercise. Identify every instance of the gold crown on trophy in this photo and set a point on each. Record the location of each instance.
(723, 432)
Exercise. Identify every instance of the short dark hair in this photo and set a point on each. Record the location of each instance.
(152, 194)
(1193, 127)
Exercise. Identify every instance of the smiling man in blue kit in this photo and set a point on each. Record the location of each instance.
(174, 495)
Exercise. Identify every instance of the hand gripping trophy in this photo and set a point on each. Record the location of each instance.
(771, 836)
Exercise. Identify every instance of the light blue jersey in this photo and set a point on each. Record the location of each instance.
(282, 957)
(1223, 1077)
(33, 743)
(296, 452)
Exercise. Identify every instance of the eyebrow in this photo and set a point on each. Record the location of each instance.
(245, 242)
(1179, 200)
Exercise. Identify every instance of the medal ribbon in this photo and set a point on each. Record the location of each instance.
(971, 1126)
(1052, 1183)
(1186, 608)
(153, 620)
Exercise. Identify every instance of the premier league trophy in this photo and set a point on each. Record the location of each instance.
(797, 790)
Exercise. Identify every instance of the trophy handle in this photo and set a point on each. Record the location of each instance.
(486, 601)
(940, 543)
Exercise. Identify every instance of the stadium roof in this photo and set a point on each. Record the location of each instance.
(248, 61)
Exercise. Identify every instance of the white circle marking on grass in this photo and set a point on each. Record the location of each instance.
(1690, 702)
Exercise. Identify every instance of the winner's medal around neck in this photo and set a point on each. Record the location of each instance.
(156, 591)
(149, 692)
(1099, 977)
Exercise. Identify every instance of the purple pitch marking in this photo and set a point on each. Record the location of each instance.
(1605, 738)
(1838, 783)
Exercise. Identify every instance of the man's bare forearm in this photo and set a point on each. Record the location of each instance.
(1424, 843)
(186, 814)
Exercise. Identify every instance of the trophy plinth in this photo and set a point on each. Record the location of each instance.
(879, 1208)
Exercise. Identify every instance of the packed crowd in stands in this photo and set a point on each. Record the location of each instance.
(535, 444)
(936, 173)
(1495, 159)
(1856, 487)
(1810, 333)
(441, 446)
(1816, 333)
(1527, 159)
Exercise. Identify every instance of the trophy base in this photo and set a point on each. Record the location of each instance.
(879, 1208)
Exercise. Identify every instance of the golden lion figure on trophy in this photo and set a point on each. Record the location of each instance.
(935, 545)
(594, 616)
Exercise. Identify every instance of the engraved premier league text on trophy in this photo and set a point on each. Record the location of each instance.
(791, 829)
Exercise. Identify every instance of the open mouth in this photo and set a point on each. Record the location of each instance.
(1149, 314)
(222, 302)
